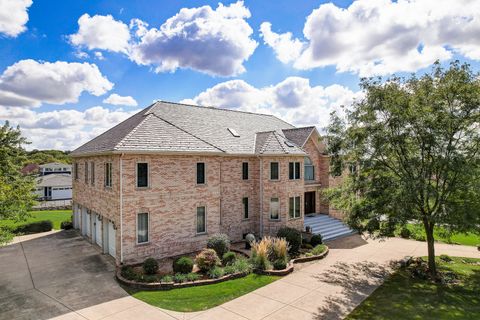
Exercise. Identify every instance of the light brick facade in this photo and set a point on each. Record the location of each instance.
(173, 195)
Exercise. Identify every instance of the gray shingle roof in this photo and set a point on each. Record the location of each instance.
(176, 127)
(298, 135)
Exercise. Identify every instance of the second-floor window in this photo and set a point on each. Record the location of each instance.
(92, 173)
(108, 174)
(294, 207)
(245, 170)
(294, 170)
(274, 172)
(201, 173)
(245, 207)
(309, 169)
(86, 172)
(142, 175)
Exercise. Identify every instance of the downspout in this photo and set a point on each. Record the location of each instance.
(121, 208)
(261, 197)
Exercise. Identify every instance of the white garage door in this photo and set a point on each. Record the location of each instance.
(111, 239)
(84, 222)
(98, 230)
(87, 225)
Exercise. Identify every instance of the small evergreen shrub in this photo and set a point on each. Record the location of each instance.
(293, 237)
(150, 266)
(316, 240)
(193, 276)
(35, 227)
(183, 265)
(128, 273)
(207, 259)
(220, 243)
(319, 249)
(279, 264)
(229, 258)
(66, 225)
(405, 233)
(216, 272)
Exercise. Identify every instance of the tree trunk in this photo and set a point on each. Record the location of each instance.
(432, 267)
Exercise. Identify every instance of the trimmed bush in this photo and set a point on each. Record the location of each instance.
(183, 265)
(279, 264)
(220, 243)
(66, 225)
(216, 272)
(229, 258)
(319, 249)
(150, 266)
(207, 259)
(293, 237)
(128, 273)
(35, 227)
(316, 240)
(405, 233)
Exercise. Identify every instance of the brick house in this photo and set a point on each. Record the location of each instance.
(159, 183)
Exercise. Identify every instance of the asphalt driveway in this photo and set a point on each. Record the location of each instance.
(53, 275)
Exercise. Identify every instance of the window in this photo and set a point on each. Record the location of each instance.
(294, 207)
(201, 173)
(274, 174)
(142, 175)
(294, 170)
(245, 207)
(86, 172)
(142, 227)
(92, 173)
(108, 174)
(75, 168)
(274, 209)
(309, 169)
(201, 220)
(245, 171)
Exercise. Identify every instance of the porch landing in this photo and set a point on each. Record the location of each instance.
(330, 228)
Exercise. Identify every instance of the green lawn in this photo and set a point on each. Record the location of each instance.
(440, 234)
(203, 297)
(56, 216)
(402, 297)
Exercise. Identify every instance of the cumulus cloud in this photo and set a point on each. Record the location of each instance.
(378, 37)
(118, 100)
(101, 32)
(13, 16)
(63, 129)
(30, 83)
(293, 99)
(214, 41)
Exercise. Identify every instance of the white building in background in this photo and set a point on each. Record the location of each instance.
(54, 186)
(55, 167)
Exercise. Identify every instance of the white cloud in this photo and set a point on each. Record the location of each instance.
(30, 83)
(63, 129)
(13, 16)
(378, 37)
(101, 32)
(118, 100)
(293, 99)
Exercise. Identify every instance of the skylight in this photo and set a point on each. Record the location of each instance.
(233, 132)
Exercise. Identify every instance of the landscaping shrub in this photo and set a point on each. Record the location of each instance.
(220, 243)
(230, 269)
(183, 265)
(229, 258)
(445, 258)
(278, 249)
(279, 264)
(216, 272)
(180, 278)
(150, 266)
(316, 240)
(307, 246)
(149, 278)
(405, 233)
(167, 279)
(207, 259)
(193, 276)
(242, 265)
(260, 251)
(35, 227)
(319, 249)
(128, 273)
(66, 225)
(293, 237)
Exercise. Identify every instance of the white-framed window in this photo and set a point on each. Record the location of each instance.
(142, 227)
(142, 174)
(245, 208)
(108, 174)
(294, 207)
(274, 208)
(309, 169)
(274, 171)
(201, 219)
(201, 177)
(294, 170)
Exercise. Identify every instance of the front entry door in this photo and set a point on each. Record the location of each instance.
(309, 202)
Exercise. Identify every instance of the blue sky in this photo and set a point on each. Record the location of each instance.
(61, 61)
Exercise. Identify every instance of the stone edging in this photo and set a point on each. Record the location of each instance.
(280, 273)
(312, 258)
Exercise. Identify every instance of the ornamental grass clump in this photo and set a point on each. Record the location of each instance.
(260, 252)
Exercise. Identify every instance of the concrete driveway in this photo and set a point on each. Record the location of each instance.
(59, 275)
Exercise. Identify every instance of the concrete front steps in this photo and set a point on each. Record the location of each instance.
(330, 228)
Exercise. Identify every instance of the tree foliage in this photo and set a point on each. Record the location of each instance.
(416, 142)
(47, 156)
(16, 196)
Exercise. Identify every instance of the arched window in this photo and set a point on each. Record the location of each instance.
(309, 169)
